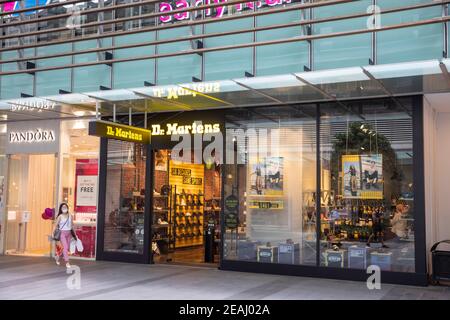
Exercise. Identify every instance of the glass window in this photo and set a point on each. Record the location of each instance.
(367, 215)
(79, 180)
(50, 82)
(270, 188)
(409, 44)
(11, 86)
(134, 73)
(228, 64)
(340, 52)
(282, 58)
(182, 68)
(90, 78)
(124, 204)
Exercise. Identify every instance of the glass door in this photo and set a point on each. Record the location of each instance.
(31, 189)
(123, 219)
(186, 210)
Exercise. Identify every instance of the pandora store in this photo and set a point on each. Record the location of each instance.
(47, 162)
(313, 190)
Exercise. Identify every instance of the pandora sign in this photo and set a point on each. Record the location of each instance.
(31, 136)
(215, 12)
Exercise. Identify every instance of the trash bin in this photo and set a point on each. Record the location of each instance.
(441, 263)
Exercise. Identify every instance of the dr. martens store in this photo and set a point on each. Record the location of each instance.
(323, 190)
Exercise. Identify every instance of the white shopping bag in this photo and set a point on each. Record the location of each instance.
(73, 244)
(79, 245)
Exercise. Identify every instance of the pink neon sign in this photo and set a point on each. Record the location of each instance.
(216, 12)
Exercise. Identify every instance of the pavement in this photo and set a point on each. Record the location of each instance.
(40, 278)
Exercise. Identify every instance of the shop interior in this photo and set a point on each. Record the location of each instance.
(31, 188)
(186, 204)
(366, 205)
(186, 207)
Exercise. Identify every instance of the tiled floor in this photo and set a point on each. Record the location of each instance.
(40, 278)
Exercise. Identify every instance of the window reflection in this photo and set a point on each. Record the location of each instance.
(367, 200)
(124, 205)
(270, 193)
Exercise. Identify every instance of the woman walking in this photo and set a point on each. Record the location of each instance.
(64, 224)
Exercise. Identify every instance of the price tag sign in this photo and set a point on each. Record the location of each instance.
(26, 216)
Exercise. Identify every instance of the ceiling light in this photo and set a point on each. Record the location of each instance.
(79, 125)
(79, 113)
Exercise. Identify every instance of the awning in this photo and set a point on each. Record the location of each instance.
(340, 85)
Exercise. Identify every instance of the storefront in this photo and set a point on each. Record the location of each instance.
(322, 189)
(47, 162)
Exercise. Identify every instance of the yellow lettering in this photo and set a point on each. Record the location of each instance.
(109, 131)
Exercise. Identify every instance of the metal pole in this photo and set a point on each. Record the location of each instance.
(97, 107)
(129, 116)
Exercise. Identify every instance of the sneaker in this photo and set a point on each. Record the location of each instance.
(68, 266)
(57, 260)
(160, 221)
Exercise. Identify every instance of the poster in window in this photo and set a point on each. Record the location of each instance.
(86, 185)
(351, 178)
(372, 176)
(362, 176)
(266, 176)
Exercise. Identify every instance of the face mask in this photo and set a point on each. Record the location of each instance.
(64, 210)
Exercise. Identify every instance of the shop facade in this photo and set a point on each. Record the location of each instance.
(297, 135)
(251, 178)
(47, 162)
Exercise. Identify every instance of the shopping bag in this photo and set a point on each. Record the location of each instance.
(73, 245)
(79, 245)
(58, 250)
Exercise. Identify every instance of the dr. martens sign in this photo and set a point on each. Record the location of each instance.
(117, 131)
(197, 127)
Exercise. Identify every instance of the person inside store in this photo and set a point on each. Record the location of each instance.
(399, 225)
(63, 223)
(377, 228)
(353, 180)
(333, 216)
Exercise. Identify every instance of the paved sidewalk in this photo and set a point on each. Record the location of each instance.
(40, 278)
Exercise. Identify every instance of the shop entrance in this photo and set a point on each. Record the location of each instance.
(186, 210)
(31, 189)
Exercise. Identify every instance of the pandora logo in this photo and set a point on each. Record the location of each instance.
(31, 136)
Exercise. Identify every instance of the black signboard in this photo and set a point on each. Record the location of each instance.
(111, 130)
(231, 220)
(231, 203)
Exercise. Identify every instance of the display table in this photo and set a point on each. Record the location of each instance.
(381, 259)
(334, 258)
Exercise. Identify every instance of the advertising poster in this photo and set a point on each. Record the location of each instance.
(362, 176)
(266, 176)
(86, 185)
(351, 176)
(372, 174)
